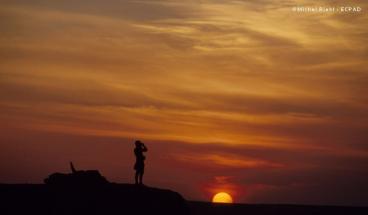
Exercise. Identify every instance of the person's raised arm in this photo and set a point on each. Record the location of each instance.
(144, 148)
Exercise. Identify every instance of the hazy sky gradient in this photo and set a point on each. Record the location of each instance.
(242, 96)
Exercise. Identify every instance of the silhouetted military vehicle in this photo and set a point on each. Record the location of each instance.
(76, 177)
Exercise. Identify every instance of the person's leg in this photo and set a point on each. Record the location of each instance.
(136, 176)
(141, 177)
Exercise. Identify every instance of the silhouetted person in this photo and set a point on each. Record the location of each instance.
(139, 162)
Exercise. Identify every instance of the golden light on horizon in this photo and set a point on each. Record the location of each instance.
(222, 197)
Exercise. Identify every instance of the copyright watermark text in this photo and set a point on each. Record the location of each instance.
(324, 9)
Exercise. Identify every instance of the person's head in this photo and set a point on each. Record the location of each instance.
(138, 143)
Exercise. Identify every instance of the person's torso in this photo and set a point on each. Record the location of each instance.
(139, 155)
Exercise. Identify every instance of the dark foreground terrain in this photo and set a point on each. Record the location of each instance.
(205, 208)
(101, 199)
(130, 199)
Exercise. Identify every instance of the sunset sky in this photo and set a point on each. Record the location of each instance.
(245, 97)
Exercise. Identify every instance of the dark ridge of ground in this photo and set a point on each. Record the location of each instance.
(110, 198)
(207, 208)
(41, 199)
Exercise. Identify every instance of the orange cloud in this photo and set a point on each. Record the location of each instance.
(231, 161)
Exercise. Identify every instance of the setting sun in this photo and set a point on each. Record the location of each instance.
(222, 197)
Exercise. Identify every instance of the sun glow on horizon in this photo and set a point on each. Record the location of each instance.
(222, 197)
